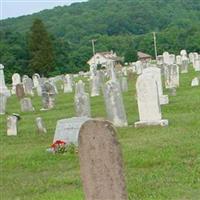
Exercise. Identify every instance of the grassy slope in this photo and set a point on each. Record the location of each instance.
(160, 163)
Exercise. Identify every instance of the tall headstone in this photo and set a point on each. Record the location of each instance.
(166, 58)
(95, 86)
(28, 86)
(171, 73)
(184, 65)
(148, 102)
(3, 101)
(26, 105)
(196, 63)
(139, 67)
(156, 74)
(114, 104)
(36, 78)
(124, 84)
(48, 96)
(82, 100)
(16, 79)
(68, 85)
(3, 89)
(12, 125)
(101, 162)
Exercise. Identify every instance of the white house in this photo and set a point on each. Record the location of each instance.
(104, 59)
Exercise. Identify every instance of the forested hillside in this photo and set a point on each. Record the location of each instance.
(121, 25)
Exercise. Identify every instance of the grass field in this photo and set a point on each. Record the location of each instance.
(159, 163)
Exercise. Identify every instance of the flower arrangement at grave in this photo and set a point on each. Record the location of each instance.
(62, 147)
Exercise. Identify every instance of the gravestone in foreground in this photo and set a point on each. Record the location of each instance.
(20, 91)
(101, 162)
(148, 102)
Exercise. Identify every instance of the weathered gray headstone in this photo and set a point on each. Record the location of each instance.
(28, 86)
(3, 101)
(67, 130)
(40, 125)
(82, 101)
(95, 86)
(148, 102)
(171, 74)
(48, 96)
(101, 162)
(124, 84)
(26, 105)
(114, 104)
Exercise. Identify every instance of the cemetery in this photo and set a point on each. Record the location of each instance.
(100, 100)
(134, 131)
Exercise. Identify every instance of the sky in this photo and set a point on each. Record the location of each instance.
(15, 8)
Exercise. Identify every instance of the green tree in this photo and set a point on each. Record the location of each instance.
(40, 49)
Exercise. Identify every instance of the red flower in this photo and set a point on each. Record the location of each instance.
(58, 143)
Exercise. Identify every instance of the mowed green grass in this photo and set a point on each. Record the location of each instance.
(159, 163)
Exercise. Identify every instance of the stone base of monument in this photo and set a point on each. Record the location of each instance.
(164, 99)
(162, 122)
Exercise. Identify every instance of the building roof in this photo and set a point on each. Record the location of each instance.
(142, 55)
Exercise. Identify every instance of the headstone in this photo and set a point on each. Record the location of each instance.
(195, 82)
(16, 79)
(67, 130)
(82, 100)
(166, 58)
(171, 73)
(68, 86)
(26, 105)
(48, 96)
(183, 52)
(20, 91)
(148, 102)
(95, 86)
(12, 125)
(114, 104)
(40, 125)
(156, 74)
(101, 164)
(185, 64)
(36, 78)
(178, 60)
(3, 89)
(3, 101)
(124, 84)
(196, 63)
(139, 67)
(28, 86)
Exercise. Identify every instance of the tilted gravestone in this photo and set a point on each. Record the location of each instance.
(82, 101)
(101, 162)
(20, 91)
(40, 125)
(114, 104)
(148, 102)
